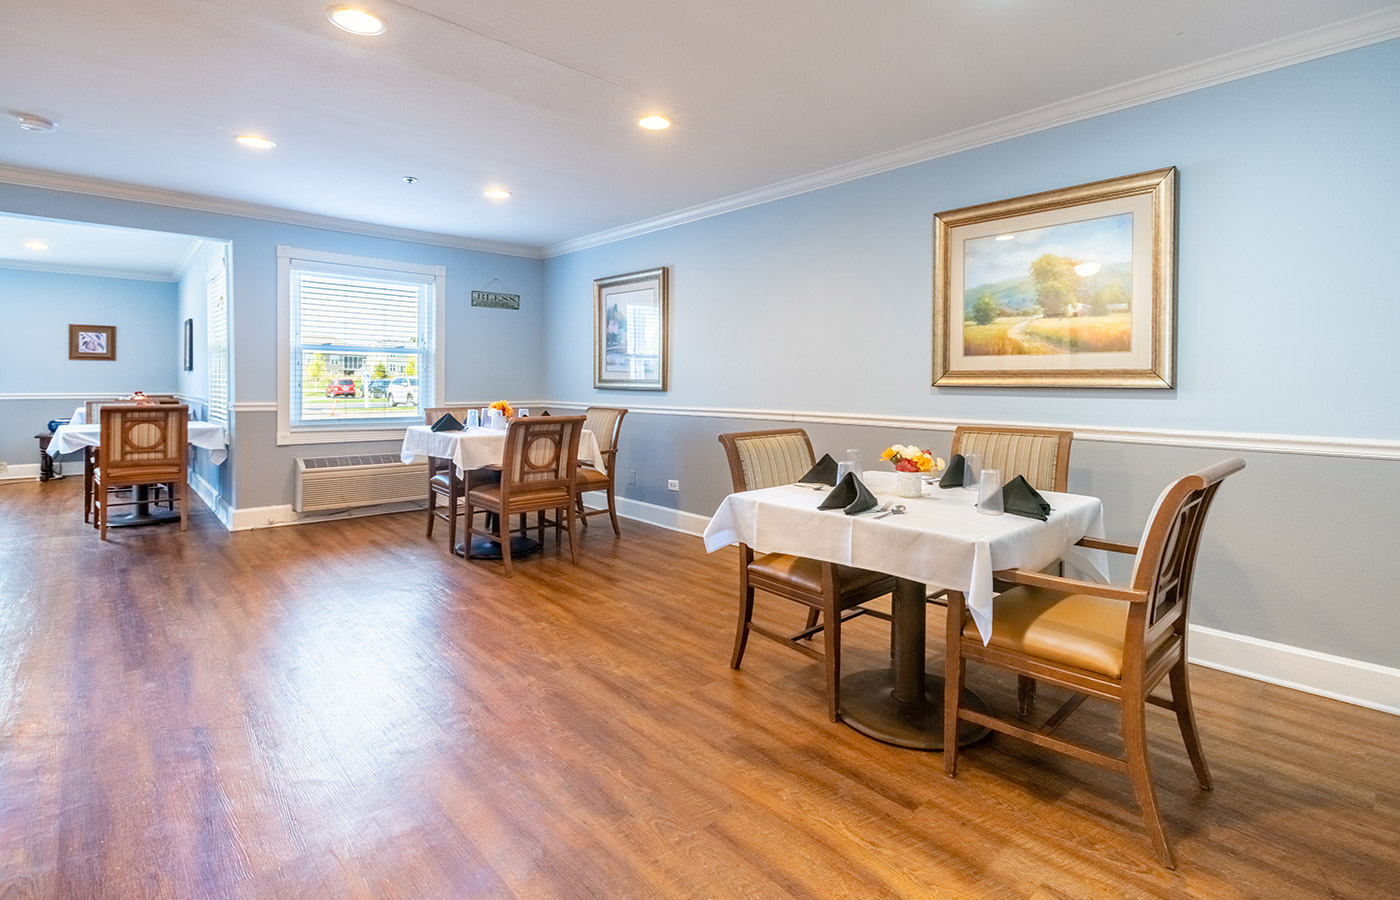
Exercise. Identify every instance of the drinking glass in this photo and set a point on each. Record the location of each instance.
(842, 468)
(522, 412)
(989, 501)
(972, 469)
(857, 463)
(473, 419)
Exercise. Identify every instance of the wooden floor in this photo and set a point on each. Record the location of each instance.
(344, 710)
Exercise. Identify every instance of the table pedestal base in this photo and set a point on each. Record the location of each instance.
(485, 548)
(869, 706)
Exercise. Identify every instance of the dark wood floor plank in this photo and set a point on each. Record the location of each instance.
(343, 710)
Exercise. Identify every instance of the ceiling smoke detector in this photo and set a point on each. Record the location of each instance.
(36, 124)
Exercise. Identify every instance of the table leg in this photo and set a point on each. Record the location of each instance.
(903, 705)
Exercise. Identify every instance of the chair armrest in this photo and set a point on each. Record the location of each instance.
(1101, 544)
(1070, 585)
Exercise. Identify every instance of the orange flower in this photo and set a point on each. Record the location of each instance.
(505, 408)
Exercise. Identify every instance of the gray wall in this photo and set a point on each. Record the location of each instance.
(819, 306)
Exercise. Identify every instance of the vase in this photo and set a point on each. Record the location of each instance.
(909, 484)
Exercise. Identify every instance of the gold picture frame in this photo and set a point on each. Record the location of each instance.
(1068, 288)
(92, 342)
(630, 331)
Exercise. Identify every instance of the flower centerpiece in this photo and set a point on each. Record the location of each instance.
(910, 464)
(506, 409)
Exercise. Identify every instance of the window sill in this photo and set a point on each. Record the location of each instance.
(334, 435)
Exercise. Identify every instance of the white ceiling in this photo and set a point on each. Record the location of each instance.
(95, 249)
(542, 97)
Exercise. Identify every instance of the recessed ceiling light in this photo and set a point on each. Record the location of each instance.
(497, 194)
(355, 20)
(654, 123)
(37, 124)
(36, 245)
(255, 141)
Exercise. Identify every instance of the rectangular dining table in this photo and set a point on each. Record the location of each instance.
(939, 540)
(482, 448)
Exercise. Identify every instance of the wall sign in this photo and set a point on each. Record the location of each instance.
(495, 301)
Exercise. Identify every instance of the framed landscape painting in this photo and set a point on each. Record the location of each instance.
(1068, 288)
(630, 331)
(92, 342)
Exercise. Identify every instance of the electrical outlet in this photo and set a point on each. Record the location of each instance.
(631, 476)
(673, 485)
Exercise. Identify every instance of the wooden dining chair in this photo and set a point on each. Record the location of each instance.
(606, 424)
(445, 482)
(1098, 640)
(141, 446)
(832, 593)
(1041, 456)
(539, 471)
(91, 409)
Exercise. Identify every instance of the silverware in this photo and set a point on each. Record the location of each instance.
(897, 511)
(815, 487)
(879, 513)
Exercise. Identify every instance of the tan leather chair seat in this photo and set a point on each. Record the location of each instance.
(1075, 629)
(587, 475)
(492, 494)
(806, 573)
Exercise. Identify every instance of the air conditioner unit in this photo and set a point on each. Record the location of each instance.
(343, 482)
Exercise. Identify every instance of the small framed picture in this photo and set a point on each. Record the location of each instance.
(629, 331)
(92, 342)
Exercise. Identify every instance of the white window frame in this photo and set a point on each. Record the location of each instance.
(219, 377)
(341, 432)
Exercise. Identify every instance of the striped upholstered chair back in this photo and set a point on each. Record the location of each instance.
(1041, 455)
(761, 459)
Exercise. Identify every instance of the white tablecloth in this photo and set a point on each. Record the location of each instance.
(70, 437)
(477, 448)
(942, 540)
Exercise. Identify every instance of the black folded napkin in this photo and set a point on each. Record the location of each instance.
(850, 495)
(824, 472)
(953, 475)
(447, 422)
(1020, 499)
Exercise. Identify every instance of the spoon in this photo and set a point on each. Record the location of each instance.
(896, 511)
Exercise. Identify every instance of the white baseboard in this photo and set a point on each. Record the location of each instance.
(21, 472)
(246, 519)
(664, 516)
(1349, 680)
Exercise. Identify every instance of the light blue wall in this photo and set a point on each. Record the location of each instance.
(36, 309)
(490, 353)
(1287, 313)
(1287, 325)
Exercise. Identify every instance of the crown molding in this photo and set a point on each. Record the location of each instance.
(1336, 38)
(94, 271)
(114, 190)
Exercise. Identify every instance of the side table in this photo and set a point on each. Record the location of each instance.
(45, 461)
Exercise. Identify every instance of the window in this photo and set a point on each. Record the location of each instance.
(351, 328)
(216, 278)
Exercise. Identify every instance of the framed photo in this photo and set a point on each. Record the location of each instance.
(630, 331)
(189, 345)
(1069, 288)
(92, 342)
